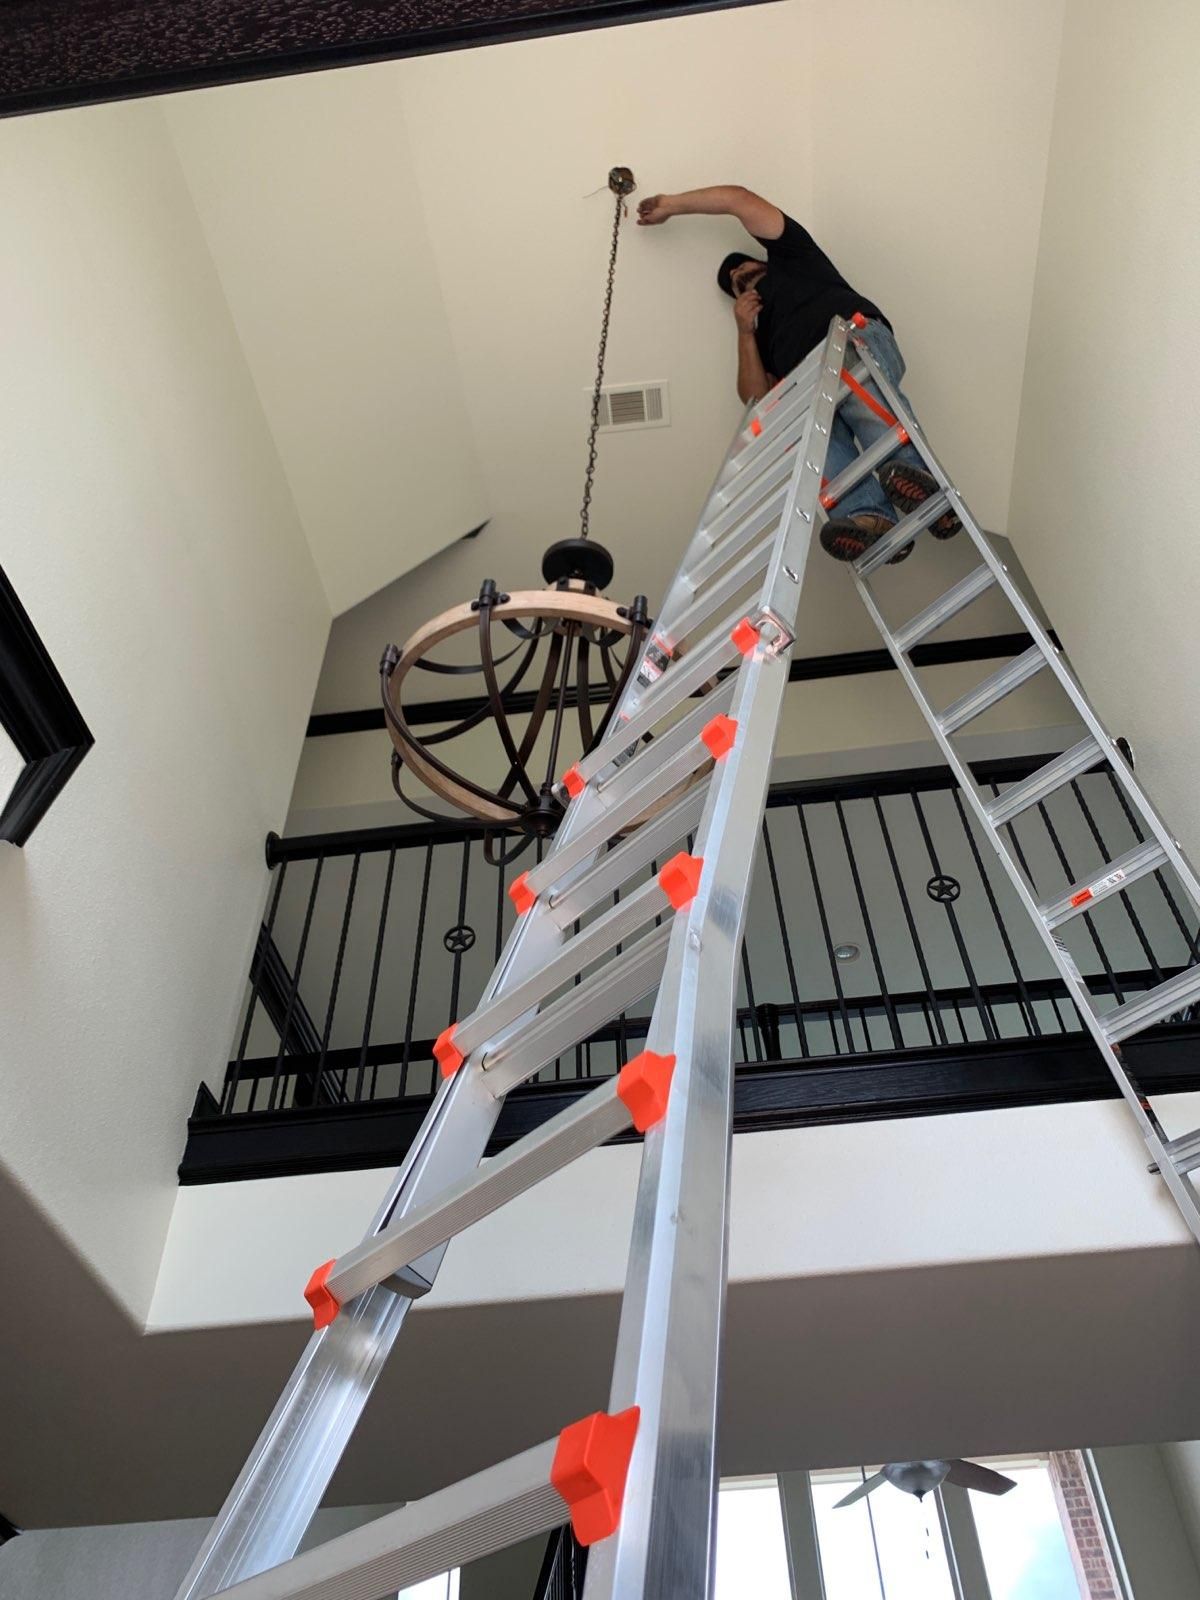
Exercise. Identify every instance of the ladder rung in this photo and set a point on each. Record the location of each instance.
(944, 607)
(768, 451)
(1178, 992)
(887, 444)
(722, 590)
(746, 499)
(595, 941)
(717, 557)
(578, 1013)
(497, 1507)
(648, 841)
(993, 689)
(1080, 758)
(1184, 1152)
(550, 1148)
(677, 684)
(1111, 879)
(905, 530)
(632, 789)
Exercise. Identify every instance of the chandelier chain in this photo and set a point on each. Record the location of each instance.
(590, 474)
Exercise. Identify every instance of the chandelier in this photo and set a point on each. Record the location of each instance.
(551, 664)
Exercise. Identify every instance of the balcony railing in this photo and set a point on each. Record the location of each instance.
(887, 968)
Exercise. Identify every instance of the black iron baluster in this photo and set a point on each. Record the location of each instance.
(783, 934)
(335, 985)
(987, 1021)
(261, 946)
(833, 966)
(295, 990)
(1087, 918)
(1026, 1003)
(1190, 937)
(1123, 894)
(1029, 878)
(754, 1029)
(406, 1056)
(456, 970)
(918, 948)
(383, 911)
(889, 1008)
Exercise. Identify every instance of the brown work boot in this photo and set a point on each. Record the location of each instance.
(847, 538)
(908, 487)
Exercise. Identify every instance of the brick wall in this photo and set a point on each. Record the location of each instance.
(1083, 1526)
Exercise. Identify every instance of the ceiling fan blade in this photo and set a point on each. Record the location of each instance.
(969, 1475)
(863, 1489)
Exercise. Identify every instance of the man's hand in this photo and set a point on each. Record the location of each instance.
(654, 210)
(746, 308)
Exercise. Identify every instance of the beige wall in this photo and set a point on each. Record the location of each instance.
(307, 195)
(929, 162)
(150, 533)
(1107, 476)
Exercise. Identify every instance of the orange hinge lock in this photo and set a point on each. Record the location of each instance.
(745, 636)
(447, 1053)
(521, 895)
(573, 782)
(680, 878)
(325, 1304)
(1082, 898)
(590, 1467)
(643, 1085)
(755, 426)
(719, 735)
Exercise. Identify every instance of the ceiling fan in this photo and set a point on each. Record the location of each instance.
(919, 1477)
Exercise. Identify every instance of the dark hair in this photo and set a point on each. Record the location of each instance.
(726, 270)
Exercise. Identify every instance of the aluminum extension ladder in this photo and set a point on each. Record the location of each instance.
(639, 1481)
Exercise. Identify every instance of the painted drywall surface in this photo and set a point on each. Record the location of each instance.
(129, 1561)
(929, 163)
(1073, 1178)
(150, 533)
(834, 714)
(1106, 480)
(306, 192)
(1150, 1530)
(1182, 1461)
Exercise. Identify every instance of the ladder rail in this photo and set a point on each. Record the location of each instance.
(1054, 656)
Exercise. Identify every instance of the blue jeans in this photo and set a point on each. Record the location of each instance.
(855, 421)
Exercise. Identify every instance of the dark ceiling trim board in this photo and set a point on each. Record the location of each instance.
(39, 716)
(805, 669)
(57, 53)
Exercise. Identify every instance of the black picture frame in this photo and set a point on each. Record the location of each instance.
(39, 716)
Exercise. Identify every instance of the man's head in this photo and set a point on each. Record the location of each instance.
(739, 272)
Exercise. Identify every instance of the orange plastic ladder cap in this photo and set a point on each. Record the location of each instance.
(745, 636)
(680, 879)
(325, 1304)
(590, 1467)
(521, 895)
(858, 320)
(644, 1084)
(572, 782)
(449, 1056)
(719, 735)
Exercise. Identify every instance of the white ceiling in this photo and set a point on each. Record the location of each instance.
(415, 266)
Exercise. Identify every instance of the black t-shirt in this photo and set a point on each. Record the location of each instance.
(801, 292)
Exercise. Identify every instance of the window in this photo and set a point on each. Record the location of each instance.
(1021, 1536)
(751, 1552)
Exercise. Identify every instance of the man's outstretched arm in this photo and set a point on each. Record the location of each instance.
(758, 216)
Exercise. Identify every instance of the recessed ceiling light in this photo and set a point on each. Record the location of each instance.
(846, 952)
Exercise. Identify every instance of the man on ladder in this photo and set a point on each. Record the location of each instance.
(783, 306)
